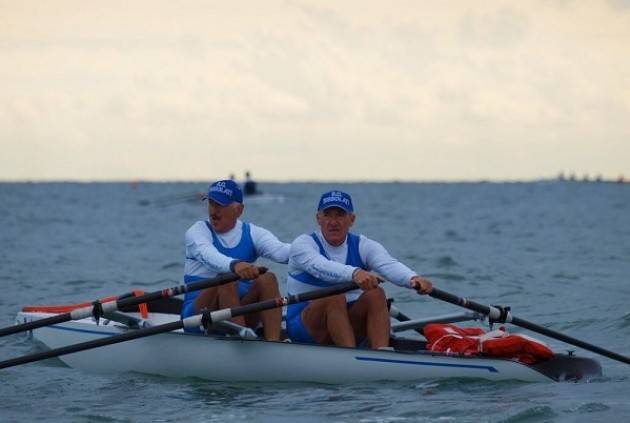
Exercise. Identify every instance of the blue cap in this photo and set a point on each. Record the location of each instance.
(225, 192)
(336, 199)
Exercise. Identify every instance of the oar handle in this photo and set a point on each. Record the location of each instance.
(497, 313)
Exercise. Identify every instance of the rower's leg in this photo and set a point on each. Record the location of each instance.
(326, 320)
(219, 297)
(265, 287)
(370, 318)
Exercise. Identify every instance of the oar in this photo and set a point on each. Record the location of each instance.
(97, 308)
(397, 314)
(502, 315)
(206, 319)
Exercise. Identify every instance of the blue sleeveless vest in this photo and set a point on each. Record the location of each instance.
(353, 259)
(244, 251)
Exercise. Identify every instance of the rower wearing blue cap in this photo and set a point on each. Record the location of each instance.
(224, 243)
(333, 255)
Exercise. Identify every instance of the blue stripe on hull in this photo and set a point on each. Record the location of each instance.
(94, 332)
(426, 363)
(378, 360)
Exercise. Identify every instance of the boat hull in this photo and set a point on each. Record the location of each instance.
(217, 358)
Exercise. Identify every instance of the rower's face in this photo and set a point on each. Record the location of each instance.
(223, 218)
(335, 224)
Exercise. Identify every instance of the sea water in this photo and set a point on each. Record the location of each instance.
(558, 253)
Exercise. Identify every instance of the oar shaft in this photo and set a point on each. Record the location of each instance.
(569, 340)
(462, 302)
(214, 316)
(181, 289)
(495, 313)
(34, 324)
(101, 342)
(397, 314)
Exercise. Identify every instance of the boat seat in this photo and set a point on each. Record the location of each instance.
(407, 344)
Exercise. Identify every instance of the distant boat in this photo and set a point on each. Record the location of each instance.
(264, 198)
(170, 200)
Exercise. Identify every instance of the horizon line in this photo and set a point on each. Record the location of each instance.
(620, 179)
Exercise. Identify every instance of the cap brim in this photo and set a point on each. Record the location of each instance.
(221, 201)
(338, 206)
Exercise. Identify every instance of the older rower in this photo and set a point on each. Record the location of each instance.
(224, 243)
(334, 255)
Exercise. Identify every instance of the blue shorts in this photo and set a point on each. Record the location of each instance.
(188, 309)
(295, 327)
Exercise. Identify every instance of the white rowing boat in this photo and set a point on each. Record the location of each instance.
(161, 347)
(240, 358)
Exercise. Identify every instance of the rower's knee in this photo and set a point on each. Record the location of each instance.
(267, 284)
(228, 289)
(375, 297)
(267, 278)
(336, 302)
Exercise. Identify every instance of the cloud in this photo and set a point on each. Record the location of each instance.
(312, 90)
(503, 28)
(620, 5)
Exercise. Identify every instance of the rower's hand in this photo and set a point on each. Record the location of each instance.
(246, 270)
(366, 280)
(422, 285)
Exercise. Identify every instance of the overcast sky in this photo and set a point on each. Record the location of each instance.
(314, 90)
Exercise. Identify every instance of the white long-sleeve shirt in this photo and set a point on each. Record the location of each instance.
(305, 256)
(204, 260)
